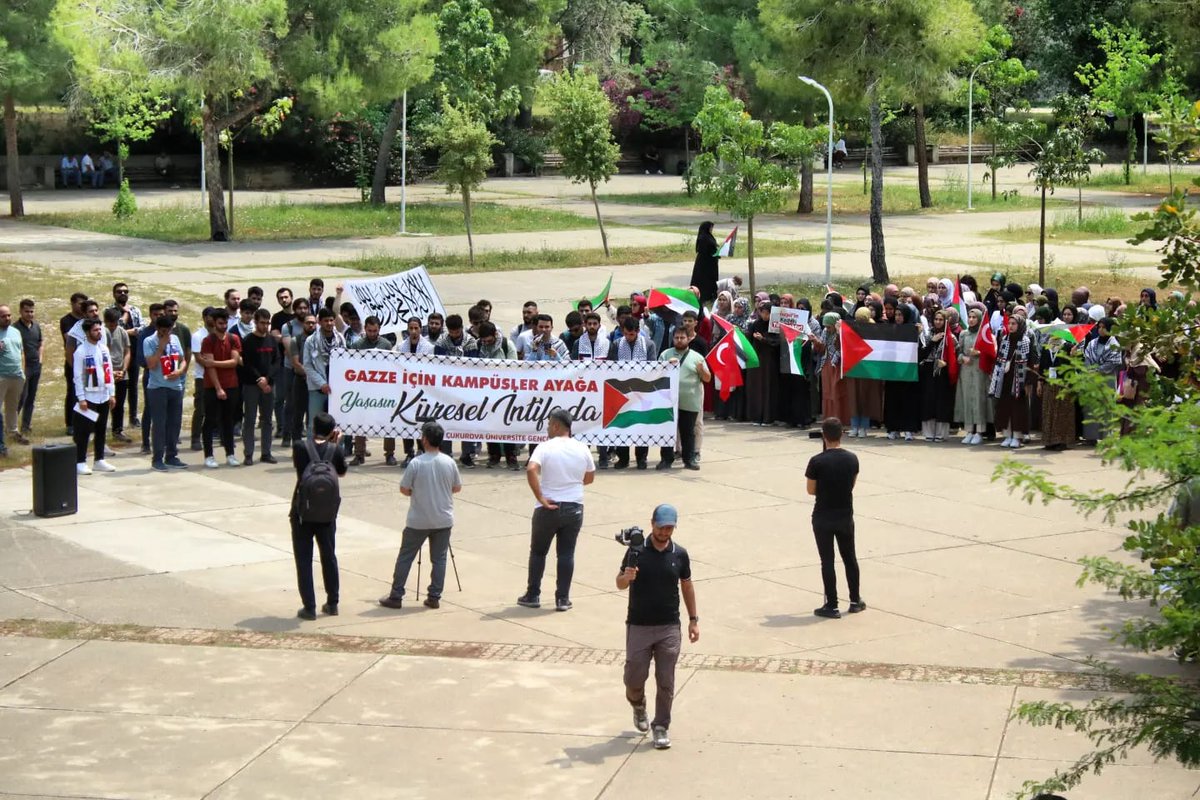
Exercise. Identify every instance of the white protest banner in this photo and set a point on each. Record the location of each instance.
(796, 317)
(395, 298)
(385, 393)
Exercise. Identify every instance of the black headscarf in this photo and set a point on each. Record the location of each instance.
(1153, 297)
(706, 243)
(1052, 296)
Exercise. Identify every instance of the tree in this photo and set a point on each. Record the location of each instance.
(1163, 462)
(1178, 131)
(472, 53)
(1001, 85)
(1078, 111)
(739, 170)
(465, 145)
(30, 69)
(220, 55)
(122, 114)
(358, 53)
(1061, 159)
(1124, 83)
(582, 133)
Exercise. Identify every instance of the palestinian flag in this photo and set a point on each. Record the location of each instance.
(1071, 334)
(637, 402)
(722, 360)
(879, 352)
(795, 342)
(601, 298)
(957, 301)
(746, 357)
(675, 301)
(726, 249)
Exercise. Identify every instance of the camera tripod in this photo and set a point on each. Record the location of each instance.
(453, 563)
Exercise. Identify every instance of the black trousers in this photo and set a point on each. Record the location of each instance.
(118, 415)
(298, 407)
(839, 529)
(303, 535)
(687, 439)
(622, 453)
(222, 414)
(85, 428)
(69, 400)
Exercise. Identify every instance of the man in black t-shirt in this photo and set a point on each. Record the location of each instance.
(831, 477)
(663, 571)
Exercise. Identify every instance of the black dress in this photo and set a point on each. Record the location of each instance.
(706, 269)
(762, 382)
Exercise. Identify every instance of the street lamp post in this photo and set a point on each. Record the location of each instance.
(829, 188)
(970, 128)
(404, 165)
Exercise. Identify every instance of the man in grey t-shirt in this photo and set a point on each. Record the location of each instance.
(430, 482)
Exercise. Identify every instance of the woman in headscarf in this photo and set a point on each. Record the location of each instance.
(838, 305)
(901, 399)
(972, 406)
(1069, 314)
(1139, 370)
(992, 300)
(1058, 409)
(1007, 385)
(706, 269)
(1052, 298)
(723, 308)
(866, 395)
(741, 313)
(861, 295)
(762, 382)
(794, 398)
(835, 402)
(1103, 355)
(889, 310)
(1148, 299)
(937, 392)
(811, 370)
(945, 292)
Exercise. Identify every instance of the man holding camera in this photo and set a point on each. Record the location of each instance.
(656, 574)
(558, 470)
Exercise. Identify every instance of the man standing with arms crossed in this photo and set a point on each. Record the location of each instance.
(430, 482)
(663, 571)
(558, 470)
(831, 476)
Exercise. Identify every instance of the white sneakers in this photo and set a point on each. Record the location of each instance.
(104, 466)
(232, 461)
(973, 438)
(1012, 442)
(211, 463)
(83, 469)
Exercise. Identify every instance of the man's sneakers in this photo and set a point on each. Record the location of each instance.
(390, 460)
(248, 460)
(82, 468)
(432, 602)
(307, 613)
(513, 464)
(529, 601)
(828, 612)
(640, 720)
(233, 461)
(662, 465)
(856, 607)
(175, 463)
(119, 436)
(211, 462)
(268, 459)
(159, 466)
(103, 466)
(330, 609)
(391, 602)
(562, 604)
(661, 740)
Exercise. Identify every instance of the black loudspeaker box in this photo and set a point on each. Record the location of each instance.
(54, 489)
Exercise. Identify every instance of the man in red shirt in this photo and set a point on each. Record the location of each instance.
(221, 354)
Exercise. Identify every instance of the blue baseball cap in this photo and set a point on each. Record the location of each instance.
(665, 514)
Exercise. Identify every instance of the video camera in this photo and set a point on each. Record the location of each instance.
(635, 539)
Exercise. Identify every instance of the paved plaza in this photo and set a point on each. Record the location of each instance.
(149, 646)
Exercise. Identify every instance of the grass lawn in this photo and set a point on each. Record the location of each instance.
(51, 293)
(518, 260)
(284, 221)
(1155, 182)
(848, 198)
(1097, 223)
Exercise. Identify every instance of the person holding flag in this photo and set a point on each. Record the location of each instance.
(972, 406)
(936, 355)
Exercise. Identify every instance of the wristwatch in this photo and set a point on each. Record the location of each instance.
(693, 619)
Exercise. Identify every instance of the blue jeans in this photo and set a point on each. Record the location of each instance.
(164, 409)
(29, 397)
(564, 523)
(411, 543)
(70, 176)
(318, 402)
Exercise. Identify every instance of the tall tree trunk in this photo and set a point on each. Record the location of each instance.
(805, 206)
(1079, 191)
(750, 251)
(384, 156)
(1042, 243)
(600, 221)
(879, 269)
(16, 202)
(1170, 177)
(1131, 155)
(922, 157)
(231, 182)
(993, 170)
(217, 225)
(466, 195)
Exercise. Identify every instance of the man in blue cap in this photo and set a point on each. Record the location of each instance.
(656, 575)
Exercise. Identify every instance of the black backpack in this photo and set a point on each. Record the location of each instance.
(317, 493)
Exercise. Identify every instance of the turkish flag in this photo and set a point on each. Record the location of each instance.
(950, 355)
(722, 360)
(985, 343)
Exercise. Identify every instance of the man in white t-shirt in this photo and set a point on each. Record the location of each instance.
(558, 470)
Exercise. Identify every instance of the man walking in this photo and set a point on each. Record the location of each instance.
(93, 370)
(35, 349)
(558, 470)
(314, 515)
(12, 378)
(430, 482)
(166, 374)
(221, 354)
(260, 364)
(655, 575)
(831, 477)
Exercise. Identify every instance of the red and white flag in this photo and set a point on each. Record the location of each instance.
(723, 362)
